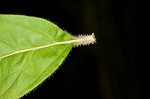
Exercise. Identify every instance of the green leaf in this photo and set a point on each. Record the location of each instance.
(31, 49)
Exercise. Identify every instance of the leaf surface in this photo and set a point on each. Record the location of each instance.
(30, 51)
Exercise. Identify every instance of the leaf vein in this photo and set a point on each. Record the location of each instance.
(7, 45)
(20, 71)
(49, 65)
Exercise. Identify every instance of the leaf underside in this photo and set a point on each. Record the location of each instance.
(23, 71)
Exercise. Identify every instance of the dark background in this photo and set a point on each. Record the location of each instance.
(116, 67)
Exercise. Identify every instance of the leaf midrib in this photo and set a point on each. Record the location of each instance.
(39, 47)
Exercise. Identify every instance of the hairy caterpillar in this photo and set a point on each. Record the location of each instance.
(85, 40)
